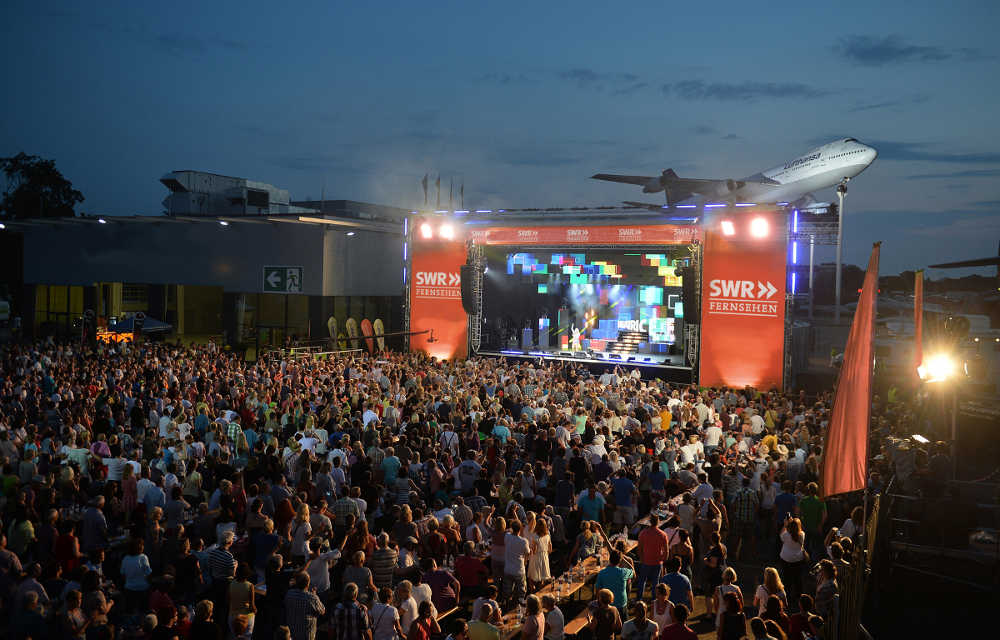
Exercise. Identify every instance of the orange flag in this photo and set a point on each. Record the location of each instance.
(845, 452)
(918, 318)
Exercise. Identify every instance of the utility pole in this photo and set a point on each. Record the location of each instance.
(841, 194)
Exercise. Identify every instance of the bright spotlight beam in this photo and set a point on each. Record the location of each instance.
(447, 231)
(426, 231)
(728, 228)
(937, 368)
(759, 228)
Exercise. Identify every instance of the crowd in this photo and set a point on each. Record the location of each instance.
(158, 491)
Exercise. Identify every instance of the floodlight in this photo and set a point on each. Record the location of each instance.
(350, 233)
(447, 231)
(919, 438)
(426, 231)
(102, 221)
(728, 228)
(759, 228)
(223, 223)
(937, 368)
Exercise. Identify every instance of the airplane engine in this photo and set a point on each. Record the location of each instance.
(653, 186)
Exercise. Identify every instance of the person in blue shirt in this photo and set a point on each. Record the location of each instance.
(680, 585)
(625, 494)
(502, 433)
(591, 503)
(615, 578)
(390, 466)
(785, 503)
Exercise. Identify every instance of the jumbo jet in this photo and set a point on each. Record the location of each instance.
(826, 166)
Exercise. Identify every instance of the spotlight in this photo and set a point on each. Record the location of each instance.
(759, 228)
(102, 221)
(426, 231)
(486, 270)
(350, 233)
(2, 226)
(937, 368)
(919, 438)
(728, 228)
(447, 231)
(223, 223)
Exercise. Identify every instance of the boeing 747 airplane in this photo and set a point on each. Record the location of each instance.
(793, 182)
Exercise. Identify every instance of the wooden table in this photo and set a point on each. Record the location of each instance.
(510, 625)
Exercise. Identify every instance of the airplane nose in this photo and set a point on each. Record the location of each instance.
(871, 154)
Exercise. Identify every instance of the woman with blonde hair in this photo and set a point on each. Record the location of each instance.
(772, 586)
(301, 530)
(541, 546)
(719, 594)
(605, 621)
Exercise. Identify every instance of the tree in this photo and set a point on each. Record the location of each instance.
(36, 189)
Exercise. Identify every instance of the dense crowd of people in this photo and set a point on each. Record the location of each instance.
(159, 491)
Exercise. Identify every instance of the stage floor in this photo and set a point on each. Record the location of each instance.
(651, 365)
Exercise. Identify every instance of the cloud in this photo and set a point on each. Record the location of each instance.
(619, 83)
(742, 91)
(875, 51)
(703, 129)
(889, 104)
(973, 173)
(916, 151)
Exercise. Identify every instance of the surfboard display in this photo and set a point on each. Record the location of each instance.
(379, 332)
(352, 332)
(368, 332)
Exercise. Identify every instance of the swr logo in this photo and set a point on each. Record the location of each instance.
(438, 279)
(741, 289)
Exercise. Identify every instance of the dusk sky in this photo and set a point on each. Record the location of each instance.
(521, 101)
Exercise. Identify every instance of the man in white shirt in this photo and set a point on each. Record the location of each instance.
(713, 435)
(449, 440)
(515, 553)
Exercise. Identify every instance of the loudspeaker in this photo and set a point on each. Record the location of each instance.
(467, 273)
(690, 294)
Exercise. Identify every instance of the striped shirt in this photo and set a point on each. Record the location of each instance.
(221, 564)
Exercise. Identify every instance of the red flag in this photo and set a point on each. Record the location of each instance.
(845, 452)
(918, 318)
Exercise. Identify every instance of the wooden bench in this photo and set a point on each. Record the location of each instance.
(577, 624)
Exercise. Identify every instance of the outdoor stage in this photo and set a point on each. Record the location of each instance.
(666, 367)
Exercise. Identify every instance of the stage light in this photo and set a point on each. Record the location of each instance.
(350, 233)
(759, 228)
(2, 226)
(937, 368)
(102, 221)
(426, 231)
(728, 228)
(919, 438)
(223, 223)
(447, 232)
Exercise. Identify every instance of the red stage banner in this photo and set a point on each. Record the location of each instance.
(743, 307)
(918, 319)
(845, 452)
(436, 298)
(584, 235)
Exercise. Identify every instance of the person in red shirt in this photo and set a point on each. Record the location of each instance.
(679, 629)
(471, 571)
(653, 549)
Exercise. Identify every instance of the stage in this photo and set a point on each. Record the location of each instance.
(671, 368)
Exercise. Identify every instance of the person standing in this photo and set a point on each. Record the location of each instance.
(615, 579)
(793, 556)
(350, 618)
(514, 575)
(812, 511)
(653, 549)
(302, 608)
(385, 621)
(744, 514)
(639, 627)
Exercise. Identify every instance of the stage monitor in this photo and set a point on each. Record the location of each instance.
(591, 296)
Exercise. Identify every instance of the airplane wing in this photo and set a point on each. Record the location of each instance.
(980, 262)
(678, 189)
(611, 177)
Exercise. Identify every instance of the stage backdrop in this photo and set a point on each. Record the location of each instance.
(436, 298)
(583, 235)
(743, 305)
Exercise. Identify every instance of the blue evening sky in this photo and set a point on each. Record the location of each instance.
(521, 101)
